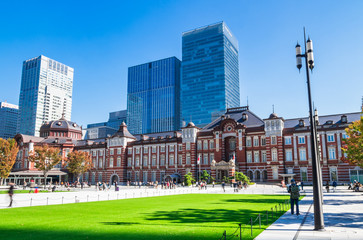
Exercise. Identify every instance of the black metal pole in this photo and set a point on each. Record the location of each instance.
(318, 210)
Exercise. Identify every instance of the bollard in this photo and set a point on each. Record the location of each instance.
(75, 199)
(133, 195)
(108, 197)
(98, 197)
(117, 196)
(147, 194)
(251, 226)
(125, 195)
(47, 201)
(87, 198)
(31, 200)
(140, 194)
(62, 199)
(259, 219)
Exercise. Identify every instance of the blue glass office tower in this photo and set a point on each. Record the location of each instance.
(8, 120)
(210, 78)
(153, 96)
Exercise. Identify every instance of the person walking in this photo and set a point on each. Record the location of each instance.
(223, 185)
(334, 185)
(11, 193)
(294, 196)
(327, 186)
(213, 184)
(302, 185)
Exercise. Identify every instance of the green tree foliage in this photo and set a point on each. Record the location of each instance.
(188, 179)
(353, 145)
(241, 177)
(78, 163)
(8, 151)
(205, 176)
(45, 158)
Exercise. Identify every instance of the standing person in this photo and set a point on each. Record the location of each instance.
(82, 184)
(334, 185)
(213, 184)
(223, 185)
(24, 185)
(302, 185)
(115, 185)
(11, 193)
(327, 186)
(294, 196)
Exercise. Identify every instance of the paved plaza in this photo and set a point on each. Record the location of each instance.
(343, 216)
(343, 209)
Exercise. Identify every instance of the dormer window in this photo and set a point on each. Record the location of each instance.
(301, 123)
(344, 119)
(329, 122)
(244, 116)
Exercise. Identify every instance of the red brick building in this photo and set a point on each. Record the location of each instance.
(264, 149)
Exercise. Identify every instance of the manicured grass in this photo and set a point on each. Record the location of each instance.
(191, 216)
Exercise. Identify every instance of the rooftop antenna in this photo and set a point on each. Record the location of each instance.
(247, 102)
(273, 108)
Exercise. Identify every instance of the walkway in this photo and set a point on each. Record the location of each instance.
(343, 217)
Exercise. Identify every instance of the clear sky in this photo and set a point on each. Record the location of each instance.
(101, 39)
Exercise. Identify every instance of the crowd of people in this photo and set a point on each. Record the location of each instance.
(355, 186)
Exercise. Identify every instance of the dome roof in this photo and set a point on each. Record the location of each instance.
(191, 124)
(61, 125)
(273, 115)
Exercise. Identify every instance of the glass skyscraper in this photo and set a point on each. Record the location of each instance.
(210, 76)
(153, 96)
(45, 93)
(8, 120)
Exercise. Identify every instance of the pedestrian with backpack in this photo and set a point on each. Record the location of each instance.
(294, 191)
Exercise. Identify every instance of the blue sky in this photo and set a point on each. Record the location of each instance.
(100, 40)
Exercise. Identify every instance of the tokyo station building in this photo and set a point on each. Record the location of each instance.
(266, 150)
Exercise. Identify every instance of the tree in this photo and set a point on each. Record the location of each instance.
(78, 163)
(8, 151)
(205, 175)
(188, 179)
(353, 145)
(241, 177)
(45, 158)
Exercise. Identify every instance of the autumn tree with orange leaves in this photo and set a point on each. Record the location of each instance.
(353, 145)
(78, 162)
(8, 151)
(45, 158)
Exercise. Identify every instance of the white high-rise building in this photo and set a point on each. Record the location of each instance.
(45, 93)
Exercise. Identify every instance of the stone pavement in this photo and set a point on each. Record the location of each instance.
(343, 218)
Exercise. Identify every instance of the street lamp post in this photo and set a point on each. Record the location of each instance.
(309, 63)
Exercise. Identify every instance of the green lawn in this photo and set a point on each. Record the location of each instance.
(191, 216)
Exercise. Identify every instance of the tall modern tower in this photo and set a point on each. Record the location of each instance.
(210, 78)
(8, 120)
(153, 96)
(45, 93)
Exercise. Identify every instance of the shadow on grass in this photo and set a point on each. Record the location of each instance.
(254, 200)
(120, 223)
(197, 216)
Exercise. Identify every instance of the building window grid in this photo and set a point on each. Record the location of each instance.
(331, 138)
(256, 142)
(301, 139)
